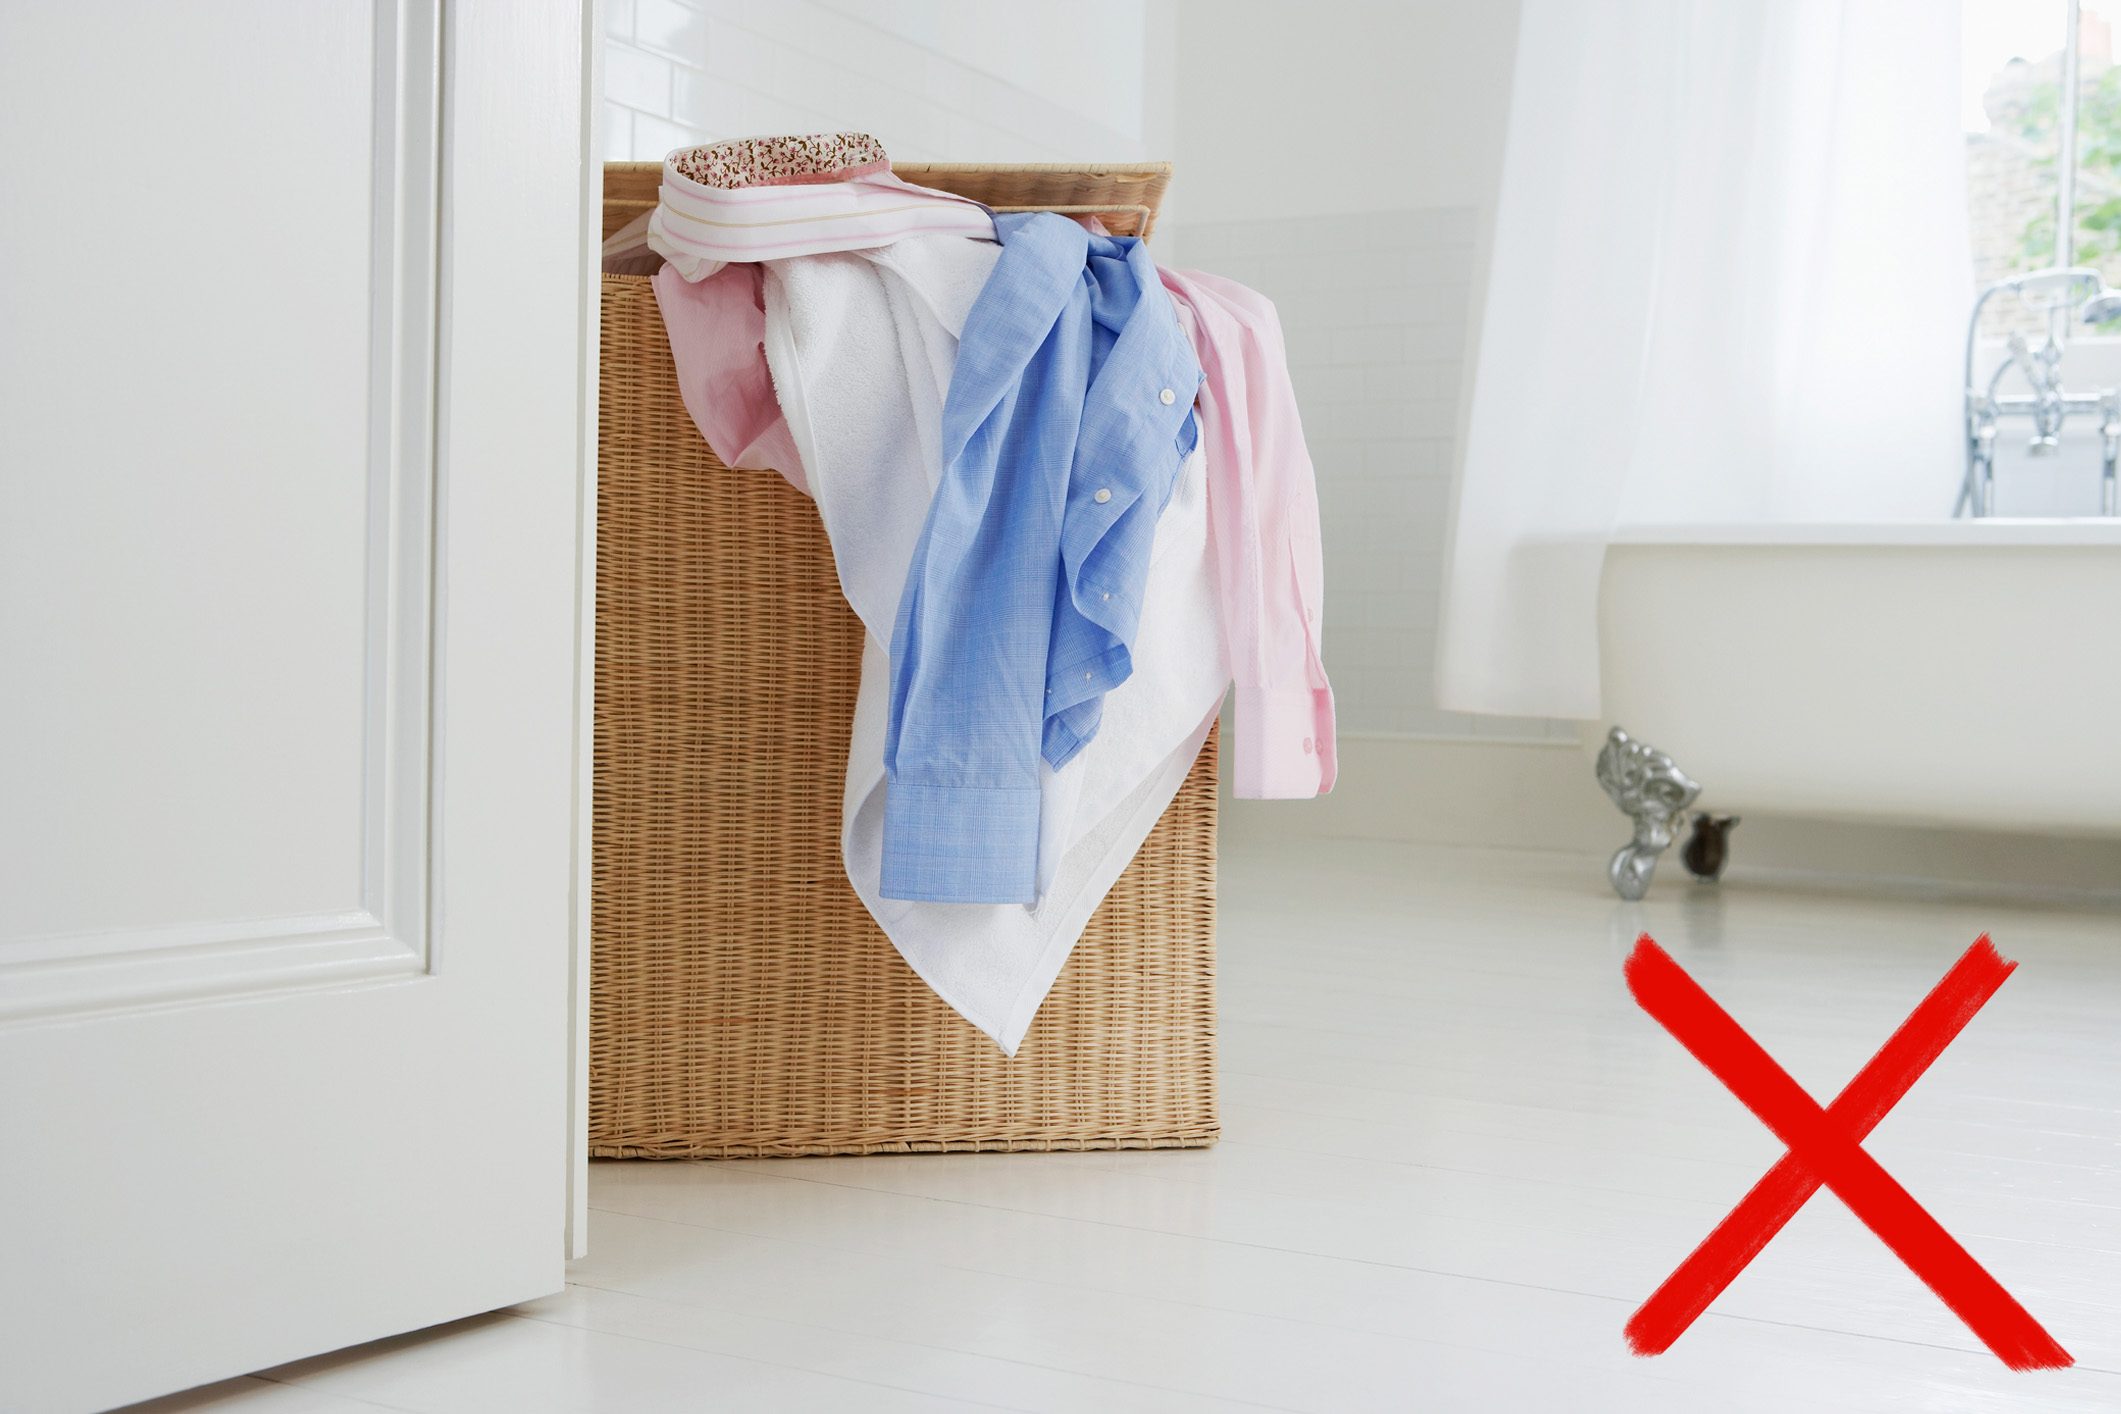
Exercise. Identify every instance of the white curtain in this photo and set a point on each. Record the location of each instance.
(1729, 283)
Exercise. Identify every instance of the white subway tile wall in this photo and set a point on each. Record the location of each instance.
(1374, 308)
(931, 78)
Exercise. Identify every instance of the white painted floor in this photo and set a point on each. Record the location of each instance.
(1456, 1157)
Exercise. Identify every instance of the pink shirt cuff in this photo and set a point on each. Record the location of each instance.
(1284, 748)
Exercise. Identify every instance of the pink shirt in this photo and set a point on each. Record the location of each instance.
(717, 329)
(1263, 523)
(1262, 492)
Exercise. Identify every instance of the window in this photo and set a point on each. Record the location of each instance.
(2021, 64)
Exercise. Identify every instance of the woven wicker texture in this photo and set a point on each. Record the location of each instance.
(742, 1000)
(1124, 197)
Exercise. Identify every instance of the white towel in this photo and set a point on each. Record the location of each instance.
(861, 345)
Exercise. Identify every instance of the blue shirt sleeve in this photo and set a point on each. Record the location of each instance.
(1068, 416)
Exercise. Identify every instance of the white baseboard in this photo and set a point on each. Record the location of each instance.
(1541, 795)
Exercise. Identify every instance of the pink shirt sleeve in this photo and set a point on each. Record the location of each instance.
(717, 329)
(1263, 523)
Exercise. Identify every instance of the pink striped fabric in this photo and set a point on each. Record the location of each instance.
(699, 228)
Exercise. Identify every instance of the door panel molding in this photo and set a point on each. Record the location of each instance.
(390, 935)
(92, 974)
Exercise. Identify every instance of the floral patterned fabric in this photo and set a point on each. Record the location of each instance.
(782, 161)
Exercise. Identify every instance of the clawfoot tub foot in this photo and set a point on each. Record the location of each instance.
(1708, 849)
(1652, 792)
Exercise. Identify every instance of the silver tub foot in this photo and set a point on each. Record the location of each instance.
(1652, 792)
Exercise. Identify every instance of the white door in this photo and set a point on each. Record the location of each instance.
(291, 339)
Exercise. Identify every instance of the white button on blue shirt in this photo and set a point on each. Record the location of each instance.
(1015, 586)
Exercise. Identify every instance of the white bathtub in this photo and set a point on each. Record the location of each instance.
(1960, 672)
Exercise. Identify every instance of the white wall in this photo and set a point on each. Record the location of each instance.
(1341, 105)
(1342, 157)
(936, 80)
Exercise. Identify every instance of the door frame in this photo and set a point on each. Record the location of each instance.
(587, 352)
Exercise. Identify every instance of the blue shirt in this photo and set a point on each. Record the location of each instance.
(1068, 416)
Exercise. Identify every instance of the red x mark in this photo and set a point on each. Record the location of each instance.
(1826, 1147)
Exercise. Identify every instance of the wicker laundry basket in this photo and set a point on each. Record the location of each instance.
(742, 1001)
